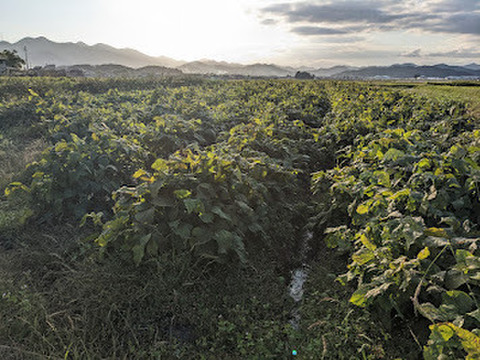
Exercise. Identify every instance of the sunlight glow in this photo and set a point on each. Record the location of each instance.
(191, 30)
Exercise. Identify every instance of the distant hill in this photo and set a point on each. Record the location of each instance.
(110, 70)
(42, 51)
(400, 71)
(224, 68)
(472, 66)
(332, 71)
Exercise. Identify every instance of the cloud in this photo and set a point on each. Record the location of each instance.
(344, 11)
(342, 39)
(461, 53)
(415, 53)
(269, 22)
(456, 6)
(464, 23)
(437, 16)
(458, 53)
(315, 30)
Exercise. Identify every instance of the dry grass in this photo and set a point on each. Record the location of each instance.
(15, 156)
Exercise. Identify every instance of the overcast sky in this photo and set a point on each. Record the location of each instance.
(312, 33)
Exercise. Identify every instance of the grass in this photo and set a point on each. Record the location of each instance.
(60, 301)
(15, 155)
(468, 94)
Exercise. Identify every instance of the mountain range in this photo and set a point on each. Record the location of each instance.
(42, 51)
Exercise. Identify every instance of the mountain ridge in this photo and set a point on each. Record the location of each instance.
(42, 51)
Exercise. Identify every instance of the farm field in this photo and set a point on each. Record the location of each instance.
(162, 219)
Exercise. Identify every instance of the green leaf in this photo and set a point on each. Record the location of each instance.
(152, 247)
(183, 230)
(218, 211)
(207, 218)
(454, 279)
(400, 194)
(182, 193)
(139, 249)
(61, 146)
(431, 312)
(358, 298)
(393, 155)
(475, 314)
(383, 178)
(162, 201)
(460, 300)
(145, 217)
(424, 163)
(224, 241)
(194, 205)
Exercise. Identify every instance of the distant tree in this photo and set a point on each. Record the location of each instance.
(304, 75)
(12, 59)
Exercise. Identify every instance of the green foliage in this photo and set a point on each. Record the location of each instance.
(12, 59)
(408, 192)
(190, 190)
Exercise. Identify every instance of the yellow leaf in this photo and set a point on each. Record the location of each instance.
(95, 137)
(445, 331)
(470, 341)
(160, 165)
(139, 173)
(362, 209)
(363, 256)
(436, 232)
(61, 146)
(423, 254)
(358, 298)
(367, 243)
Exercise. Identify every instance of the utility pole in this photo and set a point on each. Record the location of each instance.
(26, 56)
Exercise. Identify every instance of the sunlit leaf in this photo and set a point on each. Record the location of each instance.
(362, 209)
(424, 253)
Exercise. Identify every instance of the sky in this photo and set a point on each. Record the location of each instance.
(286, 32)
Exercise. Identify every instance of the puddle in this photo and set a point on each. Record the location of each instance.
(299, 276)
